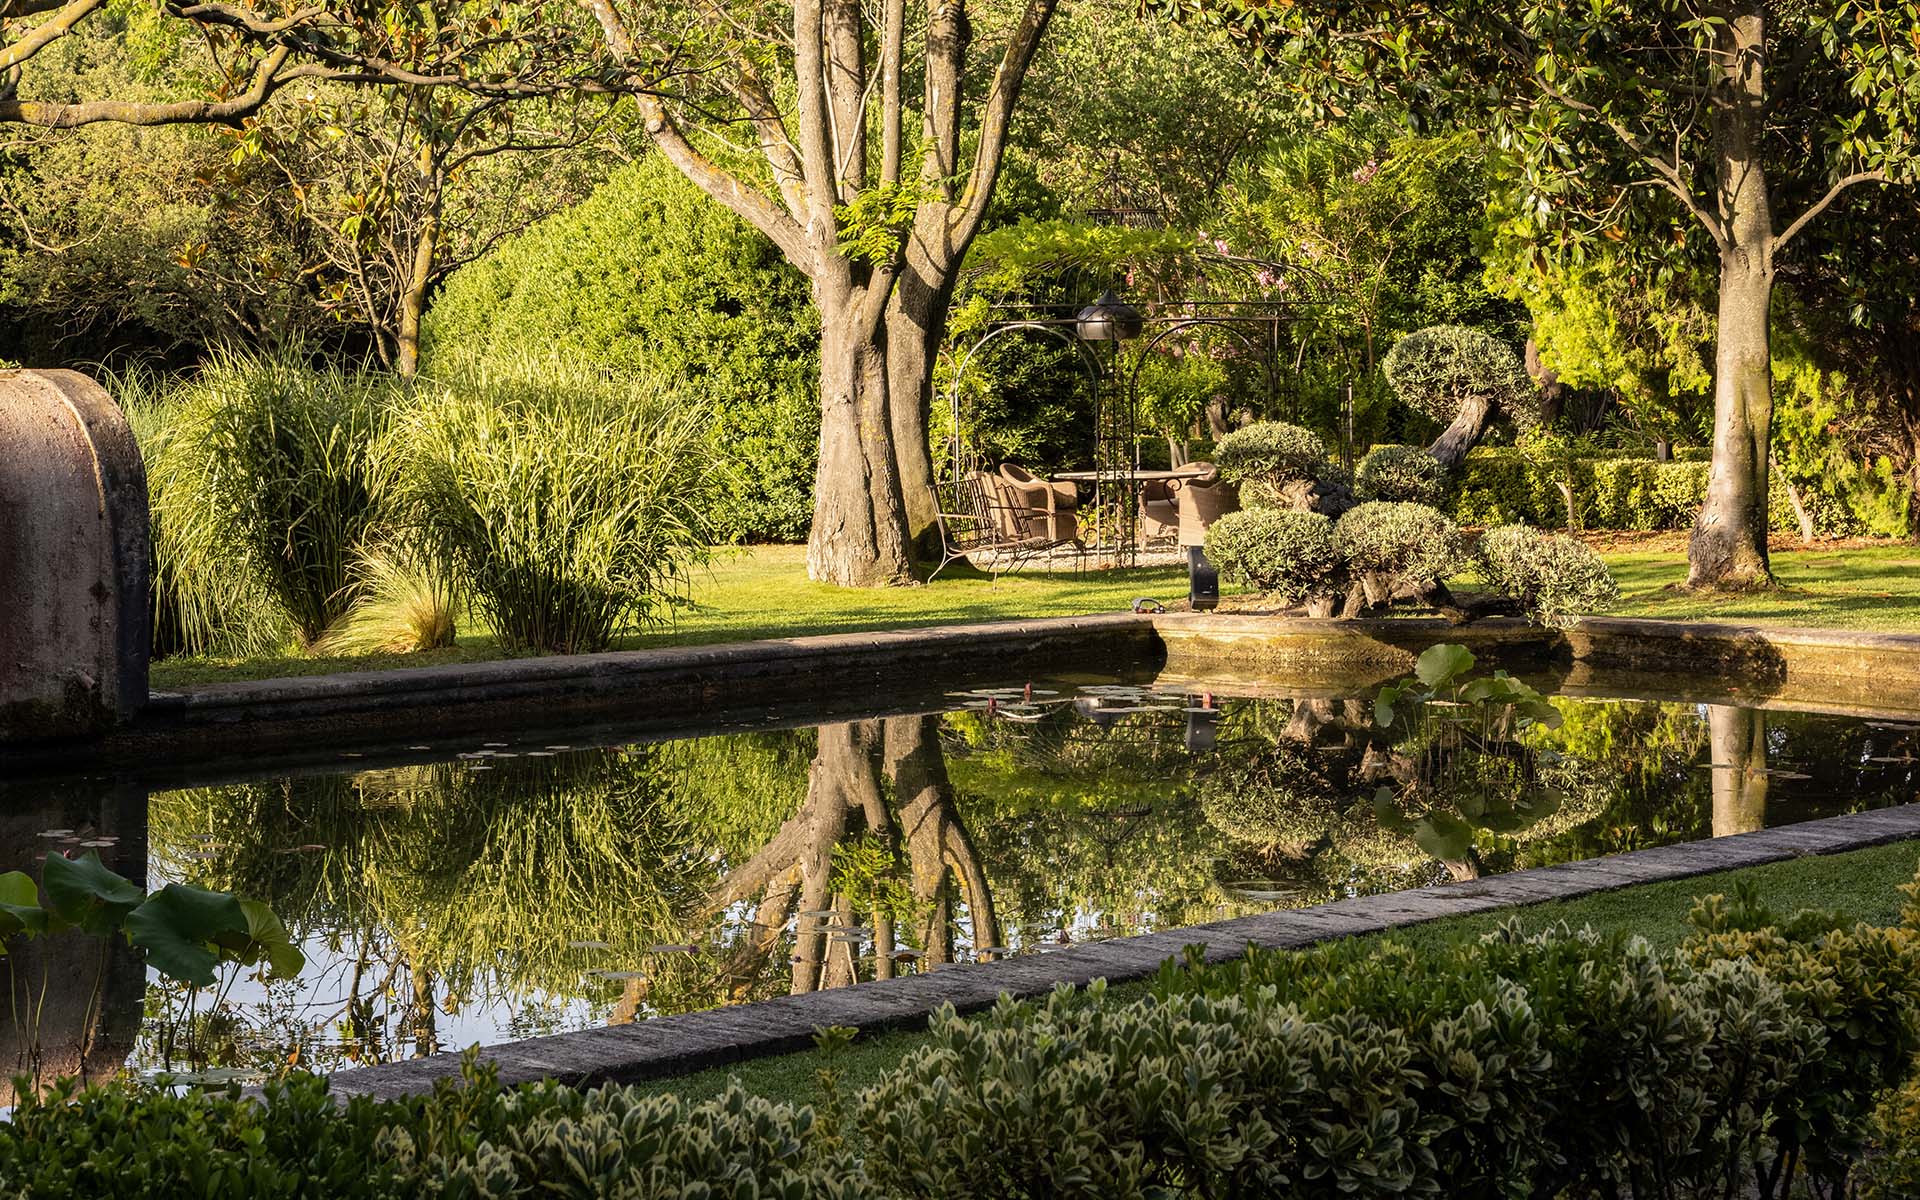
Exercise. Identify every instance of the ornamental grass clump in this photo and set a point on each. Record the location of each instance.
(207, 599)
(1554, 578)
(407, 603)
(284, 454)
(570, 506)
(1290, 556)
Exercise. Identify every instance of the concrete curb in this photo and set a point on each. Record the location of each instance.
(675, 1045)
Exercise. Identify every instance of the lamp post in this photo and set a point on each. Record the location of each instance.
(1112, 320)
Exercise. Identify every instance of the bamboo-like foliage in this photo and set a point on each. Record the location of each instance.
(205, 600)
(571, 505)
(289, 469)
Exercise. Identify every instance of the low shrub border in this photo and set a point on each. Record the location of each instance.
(1518, 1064)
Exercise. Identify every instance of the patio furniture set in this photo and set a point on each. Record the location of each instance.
(1012, 517)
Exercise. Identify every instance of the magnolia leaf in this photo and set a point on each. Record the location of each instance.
(1443, 836)
(177, 927)
(1439, 664)
(83, 892)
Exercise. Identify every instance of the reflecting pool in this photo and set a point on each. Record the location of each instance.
(498, 889)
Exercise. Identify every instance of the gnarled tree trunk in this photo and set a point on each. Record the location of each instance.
(1464, 434)
(858, 538)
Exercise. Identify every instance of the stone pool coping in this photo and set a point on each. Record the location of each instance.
(842, 676)
(667, 1046)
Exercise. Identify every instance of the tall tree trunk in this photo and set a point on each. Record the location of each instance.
(1737, 738)
(859, 519)
(916, 325)
(1728, 549)
(413, 301)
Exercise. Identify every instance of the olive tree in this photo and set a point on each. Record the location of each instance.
(1463, 377)
(1674, 130)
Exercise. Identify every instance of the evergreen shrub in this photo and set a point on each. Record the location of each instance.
(1438, 369)
(1288, 555)
(649, 276)
(1401, 473)
(1555, 578)
(1410, 543)
(1267, 455)
(1749, 1060)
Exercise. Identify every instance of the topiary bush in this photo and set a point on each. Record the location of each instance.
(1554, 578)
(1267, 457)
(570, 505)
(1405, 474)
(649, 276)
(1439, 370)
(1290, 556)
(1394, 550)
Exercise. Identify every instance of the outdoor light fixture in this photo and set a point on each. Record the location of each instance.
(1109, 319)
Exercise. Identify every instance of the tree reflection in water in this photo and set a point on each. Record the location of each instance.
(531, 890)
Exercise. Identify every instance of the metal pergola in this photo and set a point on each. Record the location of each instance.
(1113, 379)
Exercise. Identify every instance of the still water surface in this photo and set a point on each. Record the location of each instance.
(518, 888)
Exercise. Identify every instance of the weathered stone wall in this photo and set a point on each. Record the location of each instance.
(73, 559)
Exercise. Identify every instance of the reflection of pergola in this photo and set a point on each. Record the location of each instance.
(1113, 381)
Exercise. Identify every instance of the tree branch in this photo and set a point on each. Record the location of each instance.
(46, 33)
(1821, 205)
(268, 77)
(996, 119)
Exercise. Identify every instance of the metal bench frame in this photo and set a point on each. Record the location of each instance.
(981, 526)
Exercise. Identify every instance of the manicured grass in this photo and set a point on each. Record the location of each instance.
(763, 592)
(1875, 588)
(1861, 886)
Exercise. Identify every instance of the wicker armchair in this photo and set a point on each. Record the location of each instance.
(1159, 513)
(1049, 507)
(1202, 500)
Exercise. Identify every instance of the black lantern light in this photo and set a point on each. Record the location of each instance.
(1109, 319)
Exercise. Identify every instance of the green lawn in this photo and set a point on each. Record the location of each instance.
(1876, 588)
(1858, 886)
(763, 592)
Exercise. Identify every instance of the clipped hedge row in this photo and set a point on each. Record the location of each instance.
(1755, 1054)
(1505, 486)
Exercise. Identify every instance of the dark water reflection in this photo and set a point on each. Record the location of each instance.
(527, 888)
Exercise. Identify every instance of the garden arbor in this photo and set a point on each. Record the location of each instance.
(1112, 344)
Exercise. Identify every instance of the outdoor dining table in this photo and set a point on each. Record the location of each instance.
(1133, 474)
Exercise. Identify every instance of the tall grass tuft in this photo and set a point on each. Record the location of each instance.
(572, 505)
(407, 602)
(206, 599)
(290, 473)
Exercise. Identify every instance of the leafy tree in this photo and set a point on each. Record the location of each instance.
(878, 225)
(1672, 129)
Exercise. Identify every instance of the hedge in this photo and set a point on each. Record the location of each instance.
(1558, 1063)
(648, 276)
(1503, 486)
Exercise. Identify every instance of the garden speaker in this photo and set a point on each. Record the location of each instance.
(1203, 581)
(73, 559)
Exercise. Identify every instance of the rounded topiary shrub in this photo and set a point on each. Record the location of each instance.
(1288, 555)
(1267, 456)
(1440, 369)
(1401, 473)
(1409, 545)
(1554, 578)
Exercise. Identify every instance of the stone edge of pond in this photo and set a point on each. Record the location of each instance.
(678, 1045)
(1762, 660)
(669, 687)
